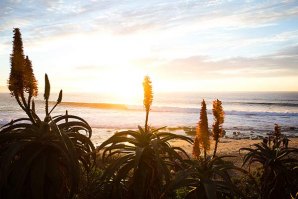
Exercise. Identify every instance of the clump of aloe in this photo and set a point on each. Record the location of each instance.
(41, 158)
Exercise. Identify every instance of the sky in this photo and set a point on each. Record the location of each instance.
(108, 46)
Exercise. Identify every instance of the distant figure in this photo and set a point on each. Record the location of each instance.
(265, 140)
(285, 142)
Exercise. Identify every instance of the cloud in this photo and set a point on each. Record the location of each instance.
(177, 40)
(280, 64)
(140, 16)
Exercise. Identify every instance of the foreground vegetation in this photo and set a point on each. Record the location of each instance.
(53, 157)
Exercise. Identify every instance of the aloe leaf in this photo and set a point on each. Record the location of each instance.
(37, 177)
(59, 97)
(47, 88)
(33, 106)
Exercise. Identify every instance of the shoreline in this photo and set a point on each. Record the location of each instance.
(226, 147)
(235, 134)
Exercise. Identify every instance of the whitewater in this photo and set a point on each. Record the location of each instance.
(250, 113)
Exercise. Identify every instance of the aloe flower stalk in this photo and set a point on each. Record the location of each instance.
(202, 132)
(148, 98)
(17, 60)
(196, 151)
(30, 82)
(21, 79)
(217, 130)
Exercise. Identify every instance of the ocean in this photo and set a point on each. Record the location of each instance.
(252, 114)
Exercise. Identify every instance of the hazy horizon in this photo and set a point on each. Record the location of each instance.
(271, 97)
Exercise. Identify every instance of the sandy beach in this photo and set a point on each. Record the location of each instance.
(229, 147)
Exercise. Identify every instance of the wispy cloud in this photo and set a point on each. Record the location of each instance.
(283, 63)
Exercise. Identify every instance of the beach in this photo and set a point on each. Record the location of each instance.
(248, 115)
(229, 147)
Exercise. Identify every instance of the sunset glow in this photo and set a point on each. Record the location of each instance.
(182, 45)
(148, 99)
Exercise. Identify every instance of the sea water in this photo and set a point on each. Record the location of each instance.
(245, 112)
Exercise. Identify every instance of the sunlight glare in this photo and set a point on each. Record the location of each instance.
(125, 86)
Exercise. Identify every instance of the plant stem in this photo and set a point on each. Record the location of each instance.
(215, 148)
(146, 121)
(19, 102)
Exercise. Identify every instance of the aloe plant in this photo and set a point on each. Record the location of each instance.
(44, 158)
(139, 163)
(280, 169)
(206, 178)
(144, 162)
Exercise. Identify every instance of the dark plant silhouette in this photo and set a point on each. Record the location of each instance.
(207, 179)
(40, 158)
(217, 130)
(148, 98)
(44, 158)
(202, 132)
(280, 169)
(139, 163)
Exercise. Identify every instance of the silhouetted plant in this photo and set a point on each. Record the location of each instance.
(249, 184)
(217, 130)
(280, 169)
(44, 158)
(206, 178)
(139, 163)
(202, 132)
(90, 185)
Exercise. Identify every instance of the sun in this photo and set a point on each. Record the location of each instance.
(124, 86)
